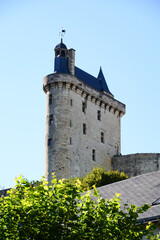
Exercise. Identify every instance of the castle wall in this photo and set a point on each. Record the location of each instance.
(70, 153)
(136, 164)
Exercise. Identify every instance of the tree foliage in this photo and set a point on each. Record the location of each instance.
(60, 211)
(99, 177)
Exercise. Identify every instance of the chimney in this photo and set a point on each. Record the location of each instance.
(71, 60)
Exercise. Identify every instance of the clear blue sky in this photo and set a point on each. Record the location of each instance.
(121, 36)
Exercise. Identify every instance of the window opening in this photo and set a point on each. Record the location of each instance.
(70, 123)
(71, 102)
(49, 141)
(84, 106)
(70, 141)
(50, 99)
(50, 119)
(102, 137)
(57, 53)
(62, 53)
(84, 128)
(99, 115)
(93, 154)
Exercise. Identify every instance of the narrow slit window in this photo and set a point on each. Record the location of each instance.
(84, 128)
(50, 99)
(51, 119)
(99, 115)
(49, 141)
(84, 107)
(70, 141)
(71, 102)
(93, 154)
(102, 137)
(70, 123)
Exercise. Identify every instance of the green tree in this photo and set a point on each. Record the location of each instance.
(60, 211)
(99, 177)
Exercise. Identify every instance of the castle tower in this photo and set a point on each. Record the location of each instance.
(82, 119)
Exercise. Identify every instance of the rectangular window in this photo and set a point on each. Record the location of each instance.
(84, 106)
(50, 119)
(70, 123)
(71, 102)
(49, 141)
(93, 154)
(102, 137)
(50, 99)
(70, 141)
(84, 128)
(99, 115)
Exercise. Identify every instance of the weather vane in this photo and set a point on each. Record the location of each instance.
(62, 34)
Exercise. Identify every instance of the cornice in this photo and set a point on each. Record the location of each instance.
(101, 99)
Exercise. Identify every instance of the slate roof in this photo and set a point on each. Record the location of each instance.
(4, 192)
(61, 66)
(99, 83)
(138, 191)
(61, 45)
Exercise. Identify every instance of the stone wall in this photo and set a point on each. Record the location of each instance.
(70, 153)
(136, 164)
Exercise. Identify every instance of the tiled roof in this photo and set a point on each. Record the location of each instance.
(138, 191)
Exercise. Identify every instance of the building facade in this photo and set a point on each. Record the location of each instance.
(83, 120)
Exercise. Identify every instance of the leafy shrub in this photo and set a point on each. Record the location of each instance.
(60, 211)
(99, 177)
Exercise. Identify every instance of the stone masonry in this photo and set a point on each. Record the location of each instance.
(82, 124)
(136, 164)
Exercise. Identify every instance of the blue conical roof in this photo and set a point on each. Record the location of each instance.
(103, 82)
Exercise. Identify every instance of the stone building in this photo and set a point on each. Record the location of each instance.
(83, 119)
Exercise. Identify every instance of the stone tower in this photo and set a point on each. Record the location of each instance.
(82, 119)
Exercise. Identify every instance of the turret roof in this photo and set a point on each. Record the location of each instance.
(61, 66)
(61, 45)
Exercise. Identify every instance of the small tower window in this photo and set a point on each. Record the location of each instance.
(62, 53)
(84, 106)
(99, 115)
(102, 137)
(50, 99)
(70, 141)
(49, 141)
(50, 119)
(84, 128)
(57, 53)
(71, 102)
(93, 154)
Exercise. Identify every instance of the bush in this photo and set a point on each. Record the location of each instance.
(61, 211)
(99, 177)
